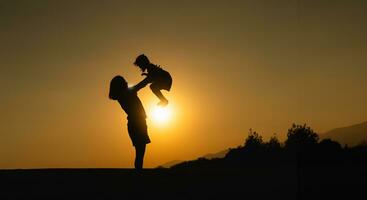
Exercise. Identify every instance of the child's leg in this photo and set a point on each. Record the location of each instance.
(156, 90)
(139, 156)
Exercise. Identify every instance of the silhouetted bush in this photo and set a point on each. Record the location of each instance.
(273, 144)
(301, 147)
(253, 141)
(300, 137)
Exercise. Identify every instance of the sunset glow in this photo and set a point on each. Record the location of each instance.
(161, 115)
(259, 65)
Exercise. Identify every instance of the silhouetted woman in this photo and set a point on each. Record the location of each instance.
(131, 104)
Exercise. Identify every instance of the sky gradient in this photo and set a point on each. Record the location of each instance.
(235, 65)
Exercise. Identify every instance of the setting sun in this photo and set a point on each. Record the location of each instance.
(161, 114)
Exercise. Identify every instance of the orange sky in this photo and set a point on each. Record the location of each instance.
(236, 65)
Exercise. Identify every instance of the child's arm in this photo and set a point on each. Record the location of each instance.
(141, 84)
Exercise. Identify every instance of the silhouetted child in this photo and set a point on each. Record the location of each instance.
(161, 79)
(131, 104)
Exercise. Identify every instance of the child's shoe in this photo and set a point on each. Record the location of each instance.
(163, 103)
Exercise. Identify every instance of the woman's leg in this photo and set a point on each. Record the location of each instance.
(139, 156)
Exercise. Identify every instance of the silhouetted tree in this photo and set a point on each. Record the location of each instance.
(329, 145)
(300, 136)
(273, 144)
(301, 148)
(253, 140)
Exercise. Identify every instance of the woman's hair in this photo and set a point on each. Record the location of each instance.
(117, 85)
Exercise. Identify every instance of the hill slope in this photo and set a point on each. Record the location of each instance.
(220, 154)
(350, 135)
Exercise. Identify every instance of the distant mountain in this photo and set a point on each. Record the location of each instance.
(209, 156)
(220, 154)
(350, 135)
(170, 163)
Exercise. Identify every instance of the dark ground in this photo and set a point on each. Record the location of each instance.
(317, 182)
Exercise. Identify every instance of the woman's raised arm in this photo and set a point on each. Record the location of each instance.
(141, 84)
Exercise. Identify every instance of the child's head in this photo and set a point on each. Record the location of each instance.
(117, 85)
(142, 62)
